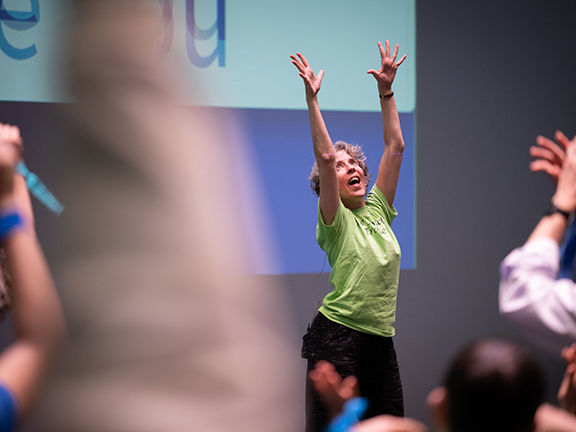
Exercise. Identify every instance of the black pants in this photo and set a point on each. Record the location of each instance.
(370, 358)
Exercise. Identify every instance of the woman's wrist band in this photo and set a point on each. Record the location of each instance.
(10, 221)
(386, 95)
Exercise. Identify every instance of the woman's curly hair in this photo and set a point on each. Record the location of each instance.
(353, 150)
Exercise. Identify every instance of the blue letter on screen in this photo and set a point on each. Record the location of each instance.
(196, 33)
(18, 20)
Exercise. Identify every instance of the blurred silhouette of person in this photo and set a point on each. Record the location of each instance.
(347, 407)
(38, 323)
(536, 287)
(168, 330)
(490, 384)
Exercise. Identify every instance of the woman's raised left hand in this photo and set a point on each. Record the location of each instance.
(385, 75)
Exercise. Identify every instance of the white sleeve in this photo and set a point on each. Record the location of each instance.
(532, 297)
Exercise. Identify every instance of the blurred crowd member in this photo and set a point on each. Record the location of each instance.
(491, 384)
(36, 312)
(531, 292)
(347, 408)
(162, 227)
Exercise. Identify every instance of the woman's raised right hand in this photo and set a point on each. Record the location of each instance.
(311, 82)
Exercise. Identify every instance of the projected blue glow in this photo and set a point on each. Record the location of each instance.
(283, 147)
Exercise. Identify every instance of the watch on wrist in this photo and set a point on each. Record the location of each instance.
(553, 209)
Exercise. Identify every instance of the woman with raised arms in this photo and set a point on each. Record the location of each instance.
(355, 324)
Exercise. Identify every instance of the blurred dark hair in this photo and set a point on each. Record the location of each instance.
(494, 385)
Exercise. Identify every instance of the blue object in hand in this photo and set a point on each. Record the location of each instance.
(39, 190)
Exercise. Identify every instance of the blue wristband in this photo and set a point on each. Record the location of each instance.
(353, 411)
(10, 221)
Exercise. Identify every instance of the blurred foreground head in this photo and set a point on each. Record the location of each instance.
(162, 227)
(491, 385)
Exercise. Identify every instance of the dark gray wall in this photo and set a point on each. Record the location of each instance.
(492, 75)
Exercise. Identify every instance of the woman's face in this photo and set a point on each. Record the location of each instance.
(351, 180)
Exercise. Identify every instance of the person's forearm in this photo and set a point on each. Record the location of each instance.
(37, 312)
(552, 226)
(21, 200)
(320, 136)
(391, 124)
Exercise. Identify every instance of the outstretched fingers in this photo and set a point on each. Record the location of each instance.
(303, 59)
(312, 82)
(558, 150)
(549, 157)
(546, 154)
(395, 55)
(401, 60)
(546, 167)
(387, 54)
(562, 139)
(296, 62)
(382, 51)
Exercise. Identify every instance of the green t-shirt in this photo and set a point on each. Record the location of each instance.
(365, 259)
